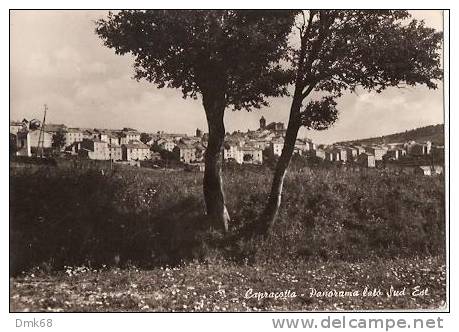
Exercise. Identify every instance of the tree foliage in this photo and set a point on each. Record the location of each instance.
(145, 138)
(319, 115)
(230, 58)
(13, 144)
(58, 140)
(346, 49)
(235, 50)
(34, 124)
(342, 50)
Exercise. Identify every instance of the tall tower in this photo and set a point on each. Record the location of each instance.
(262, 122)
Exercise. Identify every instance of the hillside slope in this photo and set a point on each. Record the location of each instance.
(433, 133)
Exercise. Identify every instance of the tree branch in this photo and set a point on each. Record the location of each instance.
(302, 57)
(308, 91)
(324, 25)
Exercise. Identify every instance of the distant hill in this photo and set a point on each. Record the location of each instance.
(433, 133)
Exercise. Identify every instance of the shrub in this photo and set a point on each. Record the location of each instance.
(70, 215)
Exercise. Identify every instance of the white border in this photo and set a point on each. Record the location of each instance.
(214, 321)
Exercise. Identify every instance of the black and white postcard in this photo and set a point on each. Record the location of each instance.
(227, 161)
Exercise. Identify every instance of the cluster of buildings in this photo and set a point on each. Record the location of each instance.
(125, 145)
(97, 144)
(408, 157)
(240, 147)
(370, 155)
(249, 147)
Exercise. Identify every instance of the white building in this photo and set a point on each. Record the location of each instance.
(186, 153)
(277, 145)
(94, 149)
(34, 137)
(16, 126)
(166, 144)
(135, 150)
(127, 136)
(231, 152)
(23, 143)
(73, 135)
(115, 152)
(377, 151)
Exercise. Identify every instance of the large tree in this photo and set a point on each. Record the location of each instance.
(58, 140)
(145, 138)
(342, 50)
(13, 144)
(229, 58)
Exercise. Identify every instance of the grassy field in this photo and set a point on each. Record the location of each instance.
(86, 240)
(224, 287)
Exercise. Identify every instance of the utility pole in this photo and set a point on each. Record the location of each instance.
(41, 136)
(110, 154)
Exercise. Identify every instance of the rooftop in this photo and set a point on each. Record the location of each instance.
(184, 146)
(249, 148)
(54, 127)
(74, 130)
(136, 145)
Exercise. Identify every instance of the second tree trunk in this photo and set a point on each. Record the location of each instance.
(268, 218)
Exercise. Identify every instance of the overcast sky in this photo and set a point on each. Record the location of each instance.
(57, 59)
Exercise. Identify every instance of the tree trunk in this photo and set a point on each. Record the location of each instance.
(268, 218)
(214, 105)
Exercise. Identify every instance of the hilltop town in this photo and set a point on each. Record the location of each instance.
(129, 146)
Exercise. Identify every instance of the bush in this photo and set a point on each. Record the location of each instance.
(70, 216)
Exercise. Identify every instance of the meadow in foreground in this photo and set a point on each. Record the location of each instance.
(119, 230)
(230, 287)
